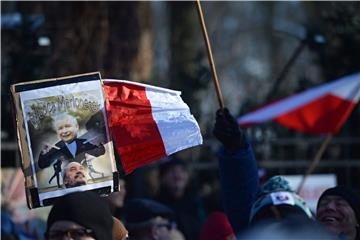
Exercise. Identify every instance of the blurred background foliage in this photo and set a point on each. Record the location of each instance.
(263, 51)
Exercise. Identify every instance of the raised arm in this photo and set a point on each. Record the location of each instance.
(238, 171)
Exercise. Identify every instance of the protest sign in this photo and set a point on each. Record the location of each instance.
(63, 137)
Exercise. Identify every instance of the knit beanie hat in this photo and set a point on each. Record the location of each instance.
(277, 192)
(216, 227)
(86, 209)
(351, 197)
(140, 210)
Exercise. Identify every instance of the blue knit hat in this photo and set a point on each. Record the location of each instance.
(278, 193)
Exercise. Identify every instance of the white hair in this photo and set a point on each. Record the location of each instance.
(62, 117)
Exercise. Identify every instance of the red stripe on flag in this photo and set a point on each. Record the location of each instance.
(323, 116)
(132, 126)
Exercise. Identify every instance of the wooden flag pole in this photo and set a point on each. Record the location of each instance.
(315, 162)
(211, 59)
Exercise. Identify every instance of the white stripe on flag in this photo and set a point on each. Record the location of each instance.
(341, 87)
(178, 127)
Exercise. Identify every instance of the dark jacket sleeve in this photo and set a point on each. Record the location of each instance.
(94, 150)
(46, 159)
(240, 185)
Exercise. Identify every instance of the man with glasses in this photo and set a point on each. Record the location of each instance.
(81, 216)
(146, 219)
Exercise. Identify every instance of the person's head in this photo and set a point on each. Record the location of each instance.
(79, 215)
(277, 202)
(74, 175)
(66, 127)
(290, 228)
(174, 176)
(338, 210)
(148, 219)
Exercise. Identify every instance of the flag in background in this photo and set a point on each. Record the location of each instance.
(320, 110)
(148, 123)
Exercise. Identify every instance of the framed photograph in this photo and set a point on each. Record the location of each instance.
(63, 137)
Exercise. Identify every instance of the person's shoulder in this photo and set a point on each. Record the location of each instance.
(60, 144)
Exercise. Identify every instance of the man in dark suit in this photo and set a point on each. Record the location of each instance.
(69, 148)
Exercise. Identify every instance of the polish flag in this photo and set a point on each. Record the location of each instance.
(319, 110)
(148, 123)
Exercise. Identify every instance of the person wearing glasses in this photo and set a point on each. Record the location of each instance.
(147, 219)
(79, 215)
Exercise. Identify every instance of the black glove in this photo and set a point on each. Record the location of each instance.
(228, 132)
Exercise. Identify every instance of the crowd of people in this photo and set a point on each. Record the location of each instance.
(247, 205)
(248, 210)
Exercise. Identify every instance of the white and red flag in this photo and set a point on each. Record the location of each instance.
(148, 123)
(319, 110)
